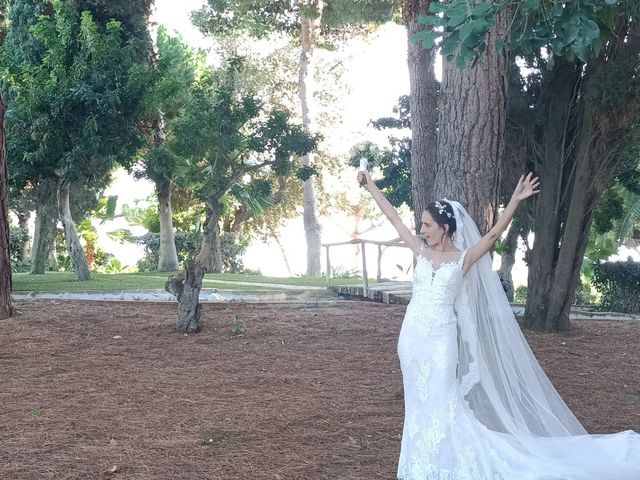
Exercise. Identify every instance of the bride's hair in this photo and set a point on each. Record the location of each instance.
(442, 213)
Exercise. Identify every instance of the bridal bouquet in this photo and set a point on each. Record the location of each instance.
(363, 155)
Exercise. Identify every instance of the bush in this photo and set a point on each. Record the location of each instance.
(17, 238)
(520, 294)
(188, 245)
(233, 248)
(619, 285)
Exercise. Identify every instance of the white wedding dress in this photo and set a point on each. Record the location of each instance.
(444, 438)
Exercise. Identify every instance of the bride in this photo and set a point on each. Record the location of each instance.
(477, 404)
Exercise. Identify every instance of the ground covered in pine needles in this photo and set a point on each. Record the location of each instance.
(110, 391)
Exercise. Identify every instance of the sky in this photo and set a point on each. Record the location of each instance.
(175, 15)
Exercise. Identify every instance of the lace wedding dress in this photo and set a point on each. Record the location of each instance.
(467, 416)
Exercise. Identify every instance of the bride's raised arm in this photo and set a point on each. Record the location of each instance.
(405, 234)
(527, 186)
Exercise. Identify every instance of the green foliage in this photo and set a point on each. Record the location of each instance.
(344, 272)
(107, 263)
(616, 215)
(342, 13)
(3, 20)
(394, 160)
(465, 26)
(619, 285)
(520, 295)
(174, 73)
(76, 93)
(148, 217)
(188, 245)
(17, 239)
(585, 293)
(630, 219)
(255, 195)
(225, 138)
(224, 18)
(237, 327)
(571, 29)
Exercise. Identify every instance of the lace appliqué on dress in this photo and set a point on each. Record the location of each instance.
(423, 381)
(469, 379)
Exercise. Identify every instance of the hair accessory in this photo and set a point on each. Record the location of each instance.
(442, 210)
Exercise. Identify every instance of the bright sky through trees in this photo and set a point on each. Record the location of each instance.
(376, 76)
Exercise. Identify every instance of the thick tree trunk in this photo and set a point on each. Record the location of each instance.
(310, 30)
(424, 111)
(6, 305)
(210, 255)
(550, 212)
(585, 140)
(168, 261)
(186, 287)
(45, 224)
(72, 240)
(583, 149)
(471, 123)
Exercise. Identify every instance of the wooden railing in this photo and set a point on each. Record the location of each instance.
(362, 242)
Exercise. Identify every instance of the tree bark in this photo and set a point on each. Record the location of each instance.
(310, 29)
(72, 240)
(471, 123)
(45, 224)
(210, 255)
(424, 90)
(6, 304)
(186, 287)
(550, 214)
(168, 261)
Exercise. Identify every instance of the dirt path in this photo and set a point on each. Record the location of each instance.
(108, 390)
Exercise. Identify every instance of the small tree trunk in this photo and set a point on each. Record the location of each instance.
(168, 261)
(186, 287)
(45, 224)
(471, 127)
(508, 259)
(312, 229)
(424, 89)
(210, 255)
(23, 224)
(273, 234)
(72, 240)
(6, 305)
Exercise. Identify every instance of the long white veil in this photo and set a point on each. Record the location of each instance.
(508, 391)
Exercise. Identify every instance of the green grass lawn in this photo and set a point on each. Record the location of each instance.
(67, 282)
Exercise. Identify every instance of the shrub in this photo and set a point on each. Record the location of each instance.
(619, 285)
(17, 238)
(188, 245)
(520, 294)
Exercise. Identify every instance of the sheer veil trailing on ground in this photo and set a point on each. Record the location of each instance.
(508, 391)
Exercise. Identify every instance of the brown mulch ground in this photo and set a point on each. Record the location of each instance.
(309, 393)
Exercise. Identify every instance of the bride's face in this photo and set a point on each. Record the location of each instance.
(432, 232)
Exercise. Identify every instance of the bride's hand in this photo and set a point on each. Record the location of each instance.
(364, 178)
(527, 186)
